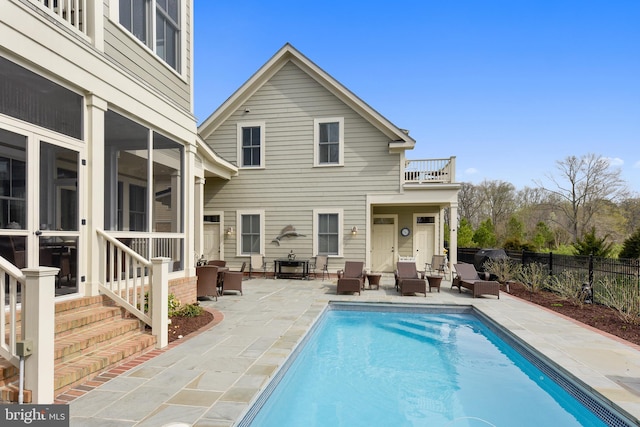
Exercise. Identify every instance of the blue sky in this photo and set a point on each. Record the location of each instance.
(508, 87)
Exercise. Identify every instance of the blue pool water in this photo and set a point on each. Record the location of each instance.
(375, 368)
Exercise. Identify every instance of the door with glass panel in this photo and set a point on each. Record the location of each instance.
(39, 204)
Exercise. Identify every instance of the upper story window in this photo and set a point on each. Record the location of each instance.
(329, 141)
(156, 23)
(251, 145)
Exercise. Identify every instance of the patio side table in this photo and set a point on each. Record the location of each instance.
(434, 282)
(374, 280)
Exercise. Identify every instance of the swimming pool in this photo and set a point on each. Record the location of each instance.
(392, 365)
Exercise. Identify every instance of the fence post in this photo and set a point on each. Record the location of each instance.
(38, 310)
(591, 270)
(550, 263)
(160, 301)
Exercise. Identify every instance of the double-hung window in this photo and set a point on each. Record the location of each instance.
(329, 141)
(251, 144)
(250, 232)
(327, 226)
(156, 23)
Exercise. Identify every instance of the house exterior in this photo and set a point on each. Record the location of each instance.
(97, 132)
(99, 149)
(320, 172)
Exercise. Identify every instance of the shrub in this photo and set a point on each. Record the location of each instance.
(189, 310)
(569, 286)
(174, 305)
(534, 276)
(624, 299)
(503, 268)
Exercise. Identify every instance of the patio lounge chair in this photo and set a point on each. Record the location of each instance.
(408, 281)
(467, 277)
(207, 281)
(351, 279)
(232, 281)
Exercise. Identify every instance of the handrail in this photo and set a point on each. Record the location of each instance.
(12, 277)
(125, 277)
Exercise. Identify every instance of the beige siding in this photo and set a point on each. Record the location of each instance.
(290, 187)
(123, 49)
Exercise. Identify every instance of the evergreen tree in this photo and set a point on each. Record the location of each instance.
(465, 234)
(485, 235)
(590, 244)
(631, 246)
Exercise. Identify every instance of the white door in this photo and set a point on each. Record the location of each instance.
(211, 244)
(423, 238)
(42, 180)
(384, 243)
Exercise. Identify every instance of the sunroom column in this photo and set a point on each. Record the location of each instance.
(94, 194)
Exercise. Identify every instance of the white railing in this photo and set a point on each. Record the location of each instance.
(10, 331)
(72, 12)
(138, 285)
(125, 277)
(430, 170)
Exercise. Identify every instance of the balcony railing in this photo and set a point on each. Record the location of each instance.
(72, 12)
(430, 171)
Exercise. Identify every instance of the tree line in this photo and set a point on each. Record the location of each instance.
(583, 207)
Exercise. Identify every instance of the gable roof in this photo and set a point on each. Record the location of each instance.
(399, 138)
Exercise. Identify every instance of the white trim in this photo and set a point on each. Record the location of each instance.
(316, 141)
(239, 215)
(336, 211)
(241, 125)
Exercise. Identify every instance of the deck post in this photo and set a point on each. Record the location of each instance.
(38, 322)
(160, 301)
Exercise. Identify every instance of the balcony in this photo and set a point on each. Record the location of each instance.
(428, 171)
(72, 13)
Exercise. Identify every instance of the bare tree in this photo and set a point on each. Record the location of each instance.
(499, 200)
(469, 203)
(581, 186)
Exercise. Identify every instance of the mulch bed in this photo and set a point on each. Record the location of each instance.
(180, 327)
(594, 315)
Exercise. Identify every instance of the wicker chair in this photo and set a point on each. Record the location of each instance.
(232, 282)
(467, 277)
(351, 279)
(408, 281)
(207, 281)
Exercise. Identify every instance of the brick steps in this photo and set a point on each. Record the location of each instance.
(92, 334)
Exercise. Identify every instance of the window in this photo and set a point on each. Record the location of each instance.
(327, 226)
(251, 145)
(13, 180)
(143, 178)
(137, 208)
(138, 18)
(134, 16)
(250, 233)
(328, 146)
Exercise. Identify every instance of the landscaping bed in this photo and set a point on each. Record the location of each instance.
(594, 315)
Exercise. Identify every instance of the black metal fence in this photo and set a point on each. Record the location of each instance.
(624, 274)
